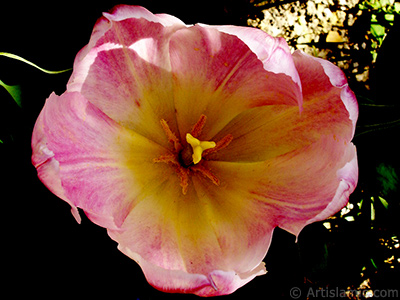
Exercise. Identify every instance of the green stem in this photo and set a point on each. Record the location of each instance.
(377, 127)
(378, 105)
(13, 56)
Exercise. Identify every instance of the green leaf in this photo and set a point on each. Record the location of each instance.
(14, 91)
(388, 178)
(13, 56)
(373, 263)
(384, 202)
(378, 30)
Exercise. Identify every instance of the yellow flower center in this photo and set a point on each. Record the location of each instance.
(186, 158)
(198, 147)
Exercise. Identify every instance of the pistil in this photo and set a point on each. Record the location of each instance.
(198, 147)
(187, 157)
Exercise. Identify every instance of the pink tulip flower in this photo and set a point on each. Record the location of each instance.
(191, 143)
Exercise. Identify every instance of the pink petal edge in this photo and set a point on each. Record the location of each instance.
(348, 176)
(122, 12)
(216, 283)
(274, 53)
(48, 168)
(88, 54)
(337, 79)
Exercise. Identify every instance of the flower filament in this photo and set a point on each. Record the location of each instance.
(187, 157)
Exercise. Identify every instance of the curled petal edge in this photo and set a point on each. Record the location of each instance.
(348, 181)
(348, 176)
(87, 54)
(122, 12)
(216, 283)
(273, 52)
(48, 168)
(338, 79)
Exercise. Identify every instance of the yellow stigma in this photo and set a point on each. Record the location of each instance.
(198, 147)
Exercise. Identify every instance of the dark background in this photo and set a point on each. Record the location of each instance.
(47, 254)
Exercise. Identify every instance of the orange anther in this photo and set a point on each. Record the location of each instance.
(171, 136)
(198, 127)
(207, 173)
(221, 144)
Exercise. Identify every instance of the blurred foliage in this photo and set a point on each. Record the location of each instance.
(388, 178)
(382, 14)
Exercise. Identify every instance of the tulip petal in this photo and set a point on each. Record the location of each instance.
(102, 166)
(211, 231)
(227, 229)
(218, 75)
(265, 132)
(300, 187)
(274, 53)
(134, 42)
(308, 66)
(348, 180)
(323, 194)
(123, 12)
(48, 168)
(104, 32)
(215, 284)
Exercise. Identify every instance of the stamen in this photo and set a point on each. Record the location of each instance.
(183, 175)
(171, 136)
(198, 127)
(169, 158)
(221, 144)
(185, 158)
(198, 147)
(207, 173)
